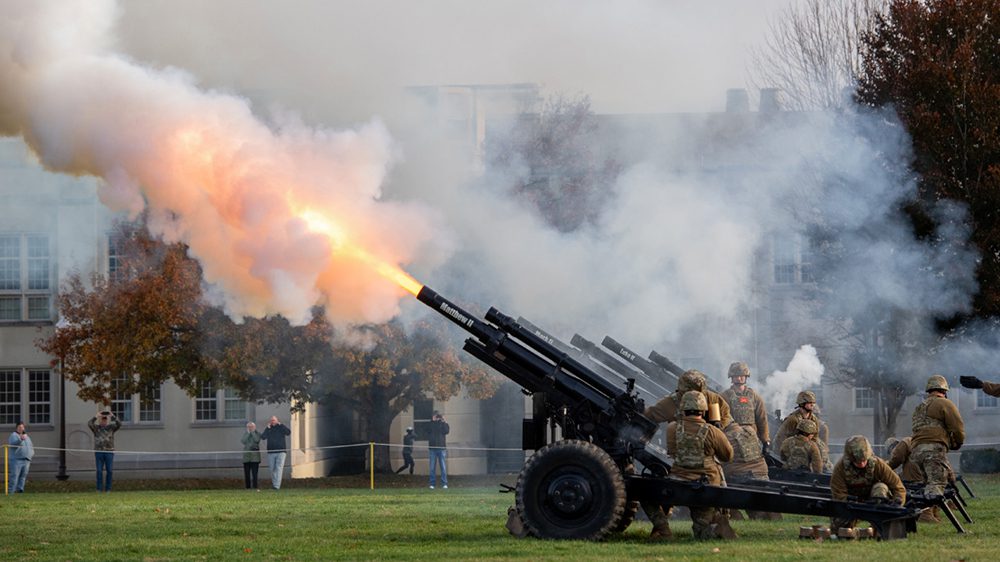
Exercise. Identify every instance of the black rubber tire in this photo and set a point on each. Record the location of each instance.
(571, 490)
(631, 507)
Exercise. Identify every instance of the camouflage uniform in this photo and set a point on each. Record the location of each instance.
(667, 409)
(875, 480)
(899, 456)
(800, 451)
(789, 424)
(695, 445)
(937, 427)
(748, 430)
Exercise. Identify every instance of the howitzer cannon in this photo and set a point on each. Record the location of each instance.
(582, 485)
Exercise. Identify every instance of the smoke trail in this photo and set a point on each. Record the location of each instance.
(803, 372)
(211, 174)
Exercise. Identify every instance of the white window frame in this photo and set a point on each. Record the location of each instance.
(862, 394)
(220, 399)
(794, 264)
(986, 403)
(27, 298)
(30, 409)
(134, 406)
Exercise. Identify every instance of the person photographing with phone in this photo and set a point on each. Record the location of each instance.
(103, 426)
(21, 453)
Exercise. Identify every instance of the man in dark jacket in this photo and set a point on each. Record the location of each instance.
(277, 449)
(436, 431)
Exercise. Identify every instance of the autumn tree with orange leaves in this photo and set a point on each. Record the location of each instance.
(149, 324)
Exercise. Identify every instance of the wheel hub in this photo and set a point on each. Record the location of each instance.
(570, 494)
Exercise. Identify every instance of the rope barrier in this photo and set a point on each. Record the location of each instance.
(240, 451)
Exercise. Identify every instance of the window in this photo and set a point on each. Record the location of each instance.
(205, 406)
(984, 400)
(794, 259)
(10, 397)
(115, 248)
(423, 409)
(25, 395)
(39, 396)
(785, 257)
(864, 399)
(146, 403)
(25, 277)
(214, 404)
(149, 404)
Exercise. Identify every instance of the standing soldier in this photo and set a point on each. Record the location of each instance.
(800, 451)
(898, 451)
(748, 434)
(806, 401)
(695, 446)
(991, 388)
(862, 476)
(937, 427)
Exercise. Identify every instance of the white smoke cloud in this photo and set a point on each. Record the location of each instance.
(211, 174)
(804, 371)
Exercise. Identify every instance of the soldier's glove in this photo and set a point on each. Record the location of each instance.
(970, 382)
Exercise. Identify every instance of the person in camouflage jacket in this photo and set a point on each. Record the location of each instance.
(861, 476)
(103, 426)
(800, 451)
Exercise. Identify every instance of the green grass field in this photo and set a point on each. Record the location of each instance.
(309, 521)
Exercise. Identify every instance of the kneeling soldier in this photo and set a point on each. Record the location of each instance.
(800, 451)
(861, 476)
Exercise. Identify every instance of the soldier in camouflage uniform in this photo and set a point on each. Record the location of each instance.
(800, 451)
(696, 448)
(991, 388)
(937, 427)
(668, 410)
(898, 451)
(861, 476)
(748, 434)
(806, 410)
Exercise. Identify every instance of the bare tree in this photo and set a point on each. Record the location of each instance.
(814, 52)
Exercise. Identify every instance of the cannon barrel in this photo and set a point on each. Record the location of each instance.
(586, 404)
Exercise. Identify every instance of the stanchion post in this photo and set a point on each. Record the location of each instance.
(371, 463)
(6, 471)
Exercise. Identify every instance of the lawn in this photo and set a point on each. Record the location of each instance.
(308, 520)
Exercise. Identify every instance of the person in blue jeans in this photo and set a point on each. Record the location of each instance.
(103, 426)
(21, 451)
(437, 444)
(277, 449)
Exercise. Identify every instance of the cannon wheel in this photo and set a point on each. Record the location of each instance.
(571, 490)
(631, 508)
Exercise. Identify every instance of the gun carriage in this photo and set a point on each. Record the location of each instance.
(581, 482)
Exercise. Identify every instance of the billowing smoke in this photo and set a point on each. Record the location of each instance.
(243, 194)
(671, 263)
(804, 371)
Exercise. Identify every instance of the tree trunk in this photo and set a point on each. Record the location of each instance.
(888, 403)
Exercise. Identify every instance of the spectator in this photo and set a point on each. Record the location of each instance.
(20, 458)
(251, 456)
(103, 426)
(277, 449)
(407, 451)
(436, 431)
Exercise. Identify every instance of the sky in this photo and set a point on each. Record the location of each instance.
(630, 57)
